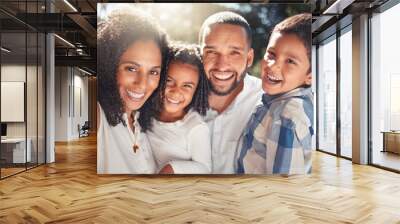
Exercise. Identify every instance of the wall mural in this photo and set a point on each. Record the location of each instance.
(219, 88)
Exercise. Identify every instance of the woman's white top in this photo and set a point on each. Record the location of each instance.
(184, 144)
(115, 153)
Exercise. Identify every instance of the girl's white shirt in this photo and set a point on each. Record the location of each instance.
(184, 144)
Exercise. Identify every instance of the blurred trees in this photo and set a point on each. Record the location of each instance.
(182, 21)
(262, 18)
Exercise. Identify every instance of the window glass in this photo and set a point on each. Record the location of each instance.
(327, 96)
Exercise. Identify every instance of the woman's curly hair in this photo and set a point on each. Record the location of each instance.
(186, 54)
(115, 34)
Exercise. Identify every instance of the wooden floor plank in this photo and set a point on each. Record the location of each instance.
(70, 191)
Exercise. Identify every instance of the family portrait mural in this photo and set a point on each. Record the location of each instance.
(194, 88)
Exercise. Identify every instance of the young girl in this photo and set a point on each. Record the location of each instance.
(179, 138)
(130, 50)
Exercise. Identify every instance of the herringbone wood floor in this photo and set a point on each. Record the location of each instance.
(70, 191)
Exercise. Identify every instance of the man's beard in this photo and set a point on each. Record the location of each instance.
(234, 85)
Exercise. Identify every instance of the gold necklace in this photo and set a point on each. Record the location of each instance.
(135, 146)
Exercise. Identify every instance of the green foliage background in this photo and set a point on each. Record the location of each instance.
(182, 21)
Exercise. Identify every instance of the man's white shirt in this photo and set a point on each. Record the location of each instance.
(227, 127)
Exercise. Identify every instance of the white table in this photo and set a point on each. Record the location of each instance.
(18, 149)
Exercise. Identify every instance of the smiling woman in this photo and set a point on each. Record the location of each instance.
(138, 74)
(131, 49)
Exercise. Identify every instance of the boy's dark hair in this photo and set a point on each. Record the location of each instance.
(299, 25)
(115, 34)
(186, 54)
(225, 17)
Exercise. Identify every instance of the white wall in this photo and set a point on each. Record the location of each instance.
(16, 72)
(9, 73)
(33, 126)
(13, 72)
(80, 109)
(61, 103)
(71, 93)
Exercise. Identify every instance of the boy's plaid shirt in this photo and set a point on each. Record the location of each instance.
(277, 139)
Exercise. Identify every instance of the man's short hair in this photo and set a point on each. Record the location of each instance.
(226, 17)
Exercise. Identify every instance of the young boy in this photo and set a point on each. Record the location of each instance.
(277, 139)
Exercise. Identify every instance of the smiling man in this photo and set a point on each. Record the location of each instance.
(225, 40)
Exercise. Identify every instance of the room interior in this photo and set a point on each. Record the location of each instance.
(48, 161)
